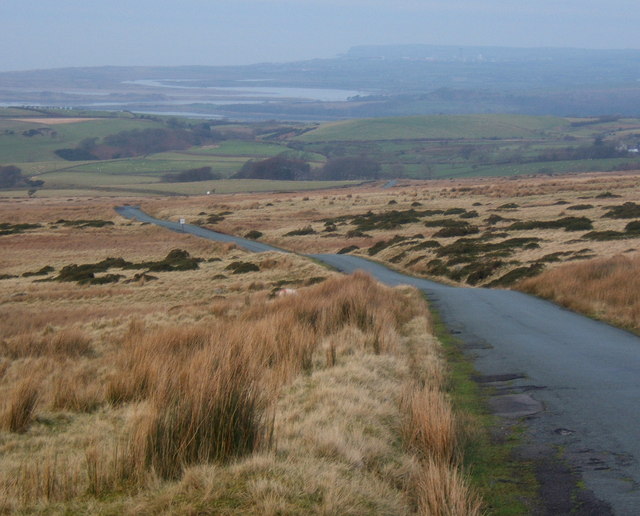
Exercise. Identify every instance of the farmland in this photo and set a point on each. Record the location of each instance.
(426, 147)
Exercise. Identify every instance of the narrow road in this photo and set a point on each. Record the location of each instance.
(134, 212)
(586, 374)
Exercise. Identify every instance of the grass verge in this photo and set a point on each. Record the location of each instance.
(507, 484)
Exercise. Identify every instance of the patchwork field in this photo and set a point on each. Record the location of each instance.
(126, 153)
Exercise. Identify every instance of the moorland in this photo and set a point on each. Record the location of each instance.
(115, 334)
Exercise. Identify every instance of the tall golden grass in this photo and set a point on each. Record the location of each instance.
(208, 388)
(605, 288)
(68, 342)
(20, 404)
(210, 396)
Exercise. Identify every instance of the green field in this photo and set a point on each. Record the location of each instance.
(420, 147)
(436, 127)
(94, 187)
(16, 148)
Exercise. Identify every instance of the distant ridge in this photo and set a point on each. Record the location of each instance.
(488, 53)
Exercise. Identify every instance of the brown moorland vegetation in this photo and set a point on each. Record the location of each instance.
(103, 385)
(479, 232)
(199, 391)
(606, 288)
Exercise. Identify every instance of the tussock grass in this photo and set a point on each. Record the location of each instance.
(429, 426)
(606, 288)
(20, 404)
(209, 410)
(443, 491)
(76, 387)
(290, 405)
(63, 343)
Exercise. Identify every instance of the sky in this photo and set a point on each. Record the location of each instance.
(40, 34)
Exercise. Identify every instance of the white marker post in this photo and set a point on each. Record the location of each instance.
(182, 222)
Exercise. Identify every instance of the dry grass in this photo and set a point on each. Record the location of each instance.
(538, 198)
(442, 491)
(287, 405)
(67, 342)
(198, 392)
(430, 425)
(606, 288)
(19, 405)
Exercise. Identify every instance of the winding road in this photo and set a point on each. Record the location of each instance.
(576, 380)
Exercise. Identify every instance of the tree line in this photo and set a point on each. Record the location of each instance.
(140, 142)
(287, 169)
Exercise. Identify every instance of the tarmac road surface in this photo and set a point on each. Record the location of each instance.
(582, 376)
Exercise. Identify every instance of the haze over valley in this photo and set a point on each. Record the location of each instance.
(365, 81)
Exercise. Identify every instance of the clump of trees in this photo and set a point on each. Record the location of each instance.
(349, 168)
(600, 149)
(286, 169)
(277, 168)
(11, 177)
(193, 174)
(139, 142)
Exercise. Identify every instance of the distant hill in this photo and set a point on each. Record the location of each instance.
(439, 127)
(374, 81)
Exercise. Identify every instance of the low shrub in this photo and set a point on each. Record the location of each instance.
(600, 236)
(254, 234)
(579, 207)
(494, 219)
(347, 250)
(628, 210)
(356, 233)
(479, 271)
(86, 223)
(383, 244)
(568, 223)
(42, 272)
(11, 229)
(308, 230)
(398, 258)
(428, 244)
(633, 227)
(445, 223)
(607, 195)
(468, 249)
(508, 206)
(457, 231)
(242, 267)
(517, 274)
(176, 260)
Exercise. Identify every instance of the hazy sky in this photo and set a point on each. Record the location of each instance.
(60, 33)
